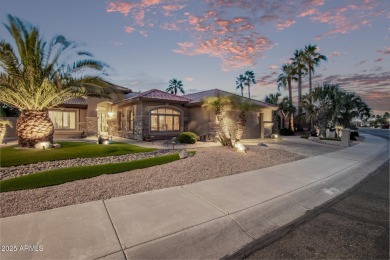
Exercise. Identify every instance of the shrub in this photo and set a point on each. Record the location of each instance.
(305, 136)
(286, 132)
(187, 138)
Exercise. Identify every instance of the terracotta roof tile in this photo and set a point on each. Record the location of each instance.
(158, 95)
(199, 96)
(75, 101)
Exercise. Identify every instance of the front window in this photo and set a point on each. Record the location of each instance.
(165, 119)
(63, 119)
(130, 120)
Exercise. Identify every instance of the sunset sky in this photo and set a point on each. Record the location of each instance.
(208, 43)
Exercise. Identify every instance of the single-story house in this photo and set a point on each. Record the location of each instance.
(155, 113)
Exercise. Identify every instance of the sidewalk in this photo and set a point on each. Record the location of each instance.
(208, 219)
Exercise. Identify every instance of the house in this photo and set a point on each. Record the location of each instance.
(153, 112)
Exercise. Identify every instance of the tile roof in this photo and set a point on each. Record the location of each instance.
(158, 95)
(199, 96)
(75, 101)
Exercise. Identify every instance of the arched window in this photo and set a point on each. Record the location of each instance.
(164, 119)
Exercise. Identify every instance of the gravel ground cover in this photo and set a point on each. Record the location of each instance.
(208, 163)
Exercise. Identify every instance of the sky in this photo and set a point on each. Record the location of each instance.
(208, 43)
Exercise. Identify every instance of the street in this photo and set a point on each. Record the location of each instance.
(354, 226)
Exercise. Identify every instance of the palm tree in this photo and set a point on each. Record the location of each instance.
(310, 108)
(249, 78)
(240, 84)
(274, 100)
(312, 59)
(218, 105)
(287, 76)
(285, 79)
(300, 68)
(36, 78)
(175, 86)
(244, 107)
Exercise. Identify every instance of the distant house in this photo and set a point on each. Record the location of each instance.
(153, 112)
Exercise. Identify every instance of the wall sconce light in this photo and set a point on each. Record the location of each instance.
(110, 114)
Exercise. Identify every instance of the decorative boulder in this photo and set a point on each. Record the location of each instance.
(262, 144)
(56, 145)
(239, 147)
(183, 154)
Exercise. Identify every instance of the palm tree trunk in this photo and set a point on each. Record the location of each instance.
(242, 92)
(309, 80)
(299, 125)
(33, 127)
(225, 131)
(240, 126)
(289, 90)
(249, 91)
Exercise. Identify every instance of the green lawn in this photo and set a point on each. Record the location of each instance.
(59, 176)
(9, 156)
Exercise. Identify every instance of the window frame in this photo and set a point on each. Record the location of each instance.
(75, 111)
(175, 116)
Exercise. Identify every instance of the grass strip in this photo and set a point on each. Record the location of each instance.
(9, 156)
(59, 176)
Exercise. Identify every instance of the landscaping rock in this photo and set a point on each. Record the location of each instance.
(262, 144)
(183, 154)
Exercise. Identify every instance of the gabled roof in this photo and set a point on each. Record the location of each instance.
(157, 95)
(199, 96)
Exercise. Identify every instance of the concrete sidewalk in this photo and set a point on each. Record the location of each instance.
(208, 219)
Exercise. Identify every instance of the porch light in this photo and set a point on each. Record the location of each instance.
(110, 114)
(106, 142)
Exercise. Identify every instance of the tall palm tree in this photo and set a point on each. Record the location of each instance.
(240, 80)
(249, 78)
(285, 79)
(36, 76)
(312, 59)
(299, 66)
(175, 86)
(219, 105)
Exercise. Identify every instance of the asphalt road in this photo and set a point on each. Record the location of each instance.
(354, 226)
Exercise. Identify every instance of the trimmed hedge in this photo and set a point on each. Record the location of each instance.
(187, 138)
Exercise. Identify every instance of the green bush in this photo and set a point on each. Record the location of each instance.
(187, 138)
(286, 132)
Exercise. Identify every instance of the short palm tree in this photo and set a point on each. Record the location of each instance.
(312, 59)
(35, 78)
(310, 109)
(249, 78)
(175, 86)
(219, 105)
(240, 80)
(274, 100)
(243, 107)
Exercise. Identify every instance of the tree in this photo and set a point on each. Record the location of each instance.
(175, 86)
(249, 78)
(274, 100)
(284, 80)
(244, 107)
(37, 76)
(298, 64)
(240, 80)
(310, 109)
(312, 58)
(218, 105)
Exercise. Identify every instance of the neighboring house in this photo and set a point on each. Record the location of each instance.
(154, 112)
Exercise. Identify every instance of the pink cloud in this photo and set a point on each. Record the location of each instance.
(234, 53)
(378, 60)
(129, 29)
(121, 7)
(274, 67)
(283, 25)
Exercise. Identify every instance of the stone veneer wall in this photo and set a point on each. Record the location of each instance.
(112, 127)
(141, 127)
(92, 125)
